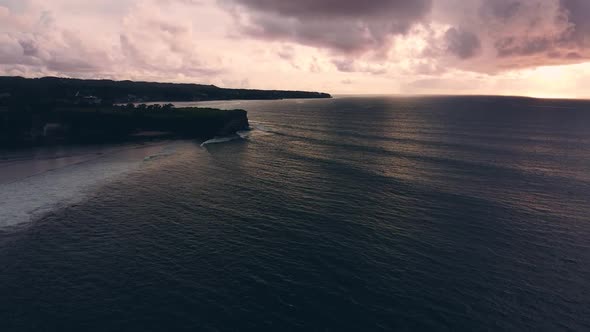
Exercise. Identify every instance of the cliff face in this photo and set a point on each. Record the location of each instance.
(202, 123)
(100, 124)
(36, 111)
(238, 121)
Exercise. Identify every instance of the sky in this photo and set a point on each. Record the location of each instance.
(538, 48)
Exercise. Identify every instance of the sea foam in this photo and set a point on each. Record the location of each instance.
(27, 198)
(218, 140)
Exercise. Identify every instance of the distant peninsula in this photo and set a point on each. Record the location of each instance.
(121, 92)
(61, 110)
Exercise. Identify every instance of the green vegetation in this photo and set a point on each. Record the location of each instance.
(68, 91)
(50, 110)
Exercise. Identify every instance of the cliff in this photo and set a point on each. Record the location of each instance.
(50, 109)
(116, 123)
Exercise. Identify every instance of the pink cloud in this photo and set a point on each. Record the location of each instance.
(293, 44)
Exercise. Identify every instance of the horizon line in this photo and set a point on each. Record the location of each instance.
(333, 94)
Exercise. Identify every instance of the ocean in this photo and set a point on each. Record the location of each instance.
(345, 214)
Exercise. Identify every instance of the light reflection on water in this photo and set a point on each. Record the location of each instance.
(346, 214)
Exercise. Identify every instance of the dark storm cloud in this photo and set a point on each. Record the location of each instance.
(341, 8)
(519, 33)
(346, 26)
(570, 19)
(30, 48)
(529, 33)
(578, 13)
(513, 46)
(500, 9)
(461, 43)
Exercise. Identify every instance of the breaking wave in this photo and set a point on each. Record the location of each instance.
(27, 197)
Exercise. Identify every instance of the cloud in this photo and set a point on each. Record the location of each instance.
(577, 12)
(343, 26)
(420, 45)
(43, 47)
(477, 35)
(338, 8)
(348, 65)
(534, 33)
(30, 47)
(143, 43)
(500, 9)
(461, 43)
(494, 36)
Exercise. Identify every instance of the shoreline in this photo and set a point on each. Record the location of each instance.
(34, 186)
(117, 124)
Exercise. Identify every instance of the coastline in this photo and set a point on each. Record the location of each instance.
(44, 179)
(103, 124)
(53, 111)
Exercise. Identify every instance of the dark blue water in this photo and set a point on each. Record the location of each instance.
(363, 214)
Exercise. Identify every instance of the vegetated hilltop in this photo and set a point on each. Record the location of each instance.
(54, 110)
(107, 91)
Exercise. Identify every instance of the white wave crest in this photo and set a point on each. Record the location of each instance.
(218, 140)
(29, 196)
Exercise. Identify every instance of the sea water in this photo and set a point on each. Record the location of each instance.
(354, 213)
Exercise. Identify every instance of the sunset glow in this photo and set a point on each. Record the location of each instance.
(534, 47)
